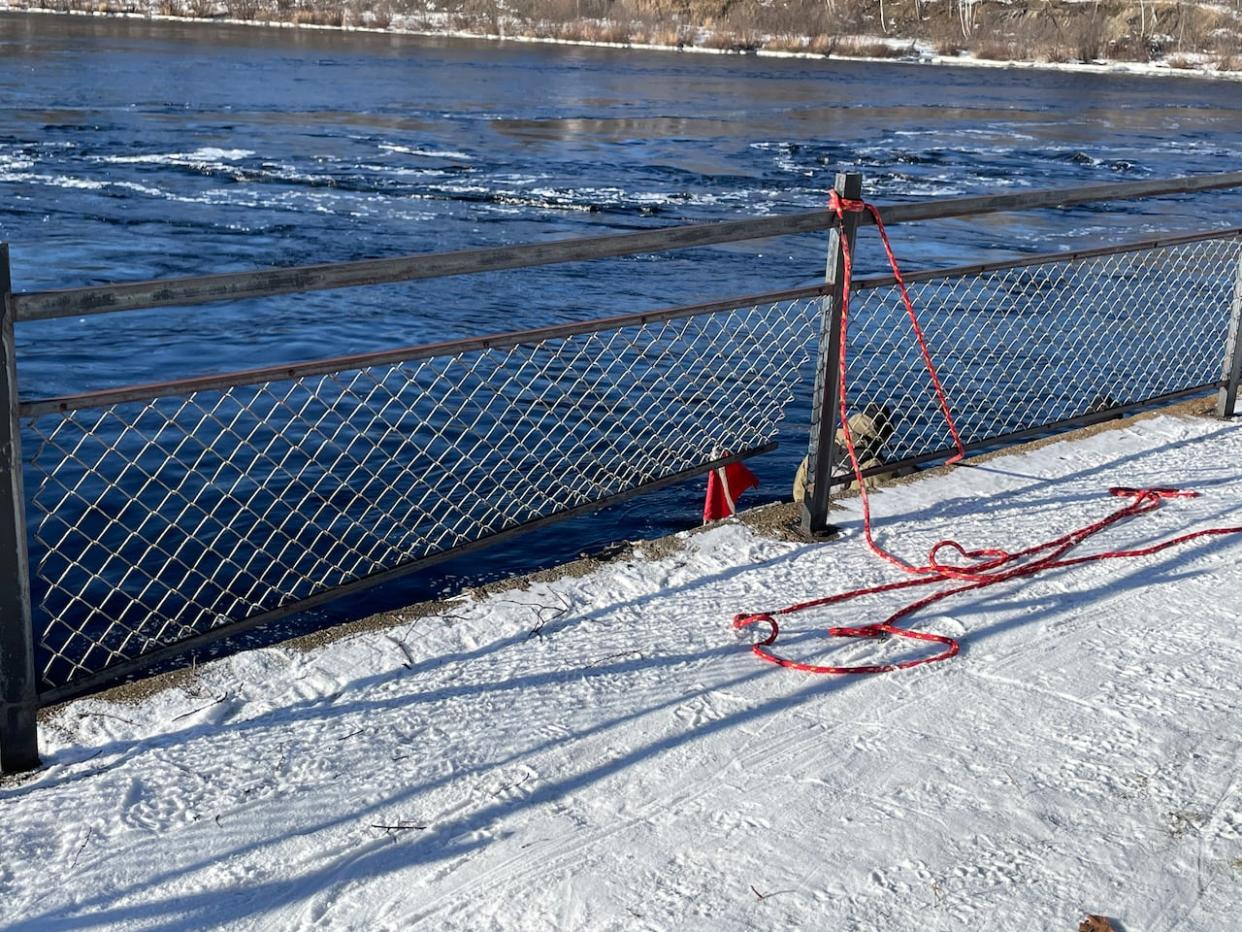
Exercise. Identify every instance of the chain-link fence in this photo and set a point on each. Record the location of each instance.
(1030, 346)
(153, 519)
(157, 520)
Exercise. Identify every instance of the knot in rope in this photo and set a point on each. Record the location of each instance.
(840, 205)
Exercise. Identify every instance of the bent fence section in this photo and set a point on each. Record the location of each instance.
(149, 520)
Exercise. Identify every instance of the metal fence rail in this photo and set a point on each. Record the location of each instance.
(158, 521)
(182, 292)
(164, 516)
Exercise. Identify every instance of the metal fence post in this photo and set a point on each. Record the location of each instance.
(821, 457)
(1227, 400)
(19, 748)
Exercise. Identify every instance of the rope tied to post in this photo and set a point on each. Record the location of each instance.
(972, 569)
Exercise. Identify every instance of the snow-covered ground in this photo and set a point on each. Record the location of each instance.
(631, 764)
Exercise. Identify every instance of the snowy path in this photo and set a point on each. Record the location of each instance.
(634, 766)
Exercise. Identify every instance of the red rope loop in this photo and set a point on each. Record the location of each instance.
(980, 567)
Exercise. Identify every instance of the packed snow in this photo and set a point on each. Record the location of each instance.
(605, 752)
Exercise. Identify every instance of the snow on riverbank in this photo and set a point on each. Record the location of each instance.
(632, 765)
(914, 52)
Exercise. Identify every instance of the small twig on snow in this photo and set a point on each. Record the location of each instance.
(545, 613)
(410, 662)
(119, 718)
(81, 847)
(401, 826)
(510, 786)
(636, 654)
(768, 896)
(217, 701)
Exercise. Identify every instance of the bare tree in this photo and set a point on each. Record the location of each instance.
(966, 16)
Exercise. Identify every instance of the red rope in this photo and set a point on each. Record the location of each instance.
(984, 567)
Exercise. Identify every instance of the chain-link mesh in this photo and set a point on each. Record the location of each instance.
(156, 521)
(1021, 348)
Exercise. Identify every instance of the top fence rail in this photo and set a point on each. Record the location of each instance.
(323, 366)
(129, 296)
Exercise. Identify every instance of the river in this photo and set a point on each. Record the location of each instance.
(131, 149)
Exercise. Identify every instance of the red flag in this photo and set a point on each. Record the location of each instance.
(724, 486)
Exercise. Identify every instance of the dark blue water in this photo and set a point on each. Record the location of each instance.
(131, 150)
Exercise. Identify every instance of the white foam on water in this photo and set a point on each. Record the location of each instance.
(69, 182)
(462, 189)
(396, 171)
(427, 153)
(785, 156)
(54, 181)
(145, 189)
(12, 163)
(205, 155)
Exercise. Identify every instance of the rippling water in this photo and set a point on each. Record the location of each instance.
(138, 150)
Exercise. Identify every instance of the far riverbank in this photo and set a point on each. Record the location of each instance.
(852, 48)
